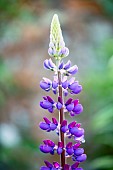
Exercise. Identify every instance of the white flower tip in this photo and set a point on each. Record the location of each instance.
(55, 16)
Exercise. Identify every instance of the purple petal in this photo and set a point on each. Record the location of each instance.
(48, 164)
(47, 120)
(81, 158)
(68, 101)
(72, 80)
(60, 144)
(72, 113)
(47, 80)
(73, 85)
(78, 109)
(46, 65)
(60, 100)
(69, 151)
(45, 104)
(53, 126)
(78, 125)
(78, 132)
(67, 65)
(55, 121)
(75, 165)
(77, 89)
(54, 84)
(50, 51)
(51, 143)
(59, 105)
(78, 151)
(51, 64)
(44, 85)
(45, 98)
(50, 109)
(69, 145)
(45, 148)
(76, 102)
(50, 99)
(65, 84)
(56, 165)
(65, 92)
(59, 150)
(70, 107)
(73, 69)
(76, 146)
(64, 123)
(61, 65)
(44, 126)
(72, 124)
(64, 51)
(64, 129)
(55, 91)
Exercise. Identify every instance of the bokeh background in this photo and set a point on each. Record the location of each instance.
(24, 37)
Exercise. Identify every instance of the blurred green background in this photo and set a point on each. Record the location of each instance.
(24, 36)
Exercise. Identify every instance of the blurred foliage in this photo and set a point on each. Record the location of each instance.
(107, 6)
(100, 97)
(17, 158)
(8, 86)
(9, 8)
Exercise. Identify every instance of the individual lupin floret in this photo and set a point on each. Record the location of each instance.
(75, 130)
(64, 126)
(60, 148)
(48, 125)
(48, 64)
(47, 85)
(69, 148)
(80, 158)
(48, 147)
(73, 106)
(48, 103)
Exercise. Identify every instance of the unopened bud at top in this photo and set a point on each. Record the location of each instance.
(57, 47)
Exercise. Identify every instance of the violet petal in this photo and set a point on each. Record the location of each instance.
(81, 158)
(54, 121)
(44, 126)
(73, 69)
(78, 109)
(78, 151)
(70, 107)
(48, 164)
(67, 65)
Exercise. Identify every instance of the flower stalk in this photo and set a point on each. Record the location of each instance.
(61, 86)
(61, 118)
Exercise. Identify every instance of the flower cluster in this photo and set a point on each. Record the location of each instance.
(62, 86)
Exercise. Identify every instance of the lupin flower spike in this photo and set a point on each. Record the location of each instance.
(61, 86)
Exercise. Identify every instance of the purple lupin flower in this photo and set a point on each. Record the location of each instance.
(62, 86)
(48, 125)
